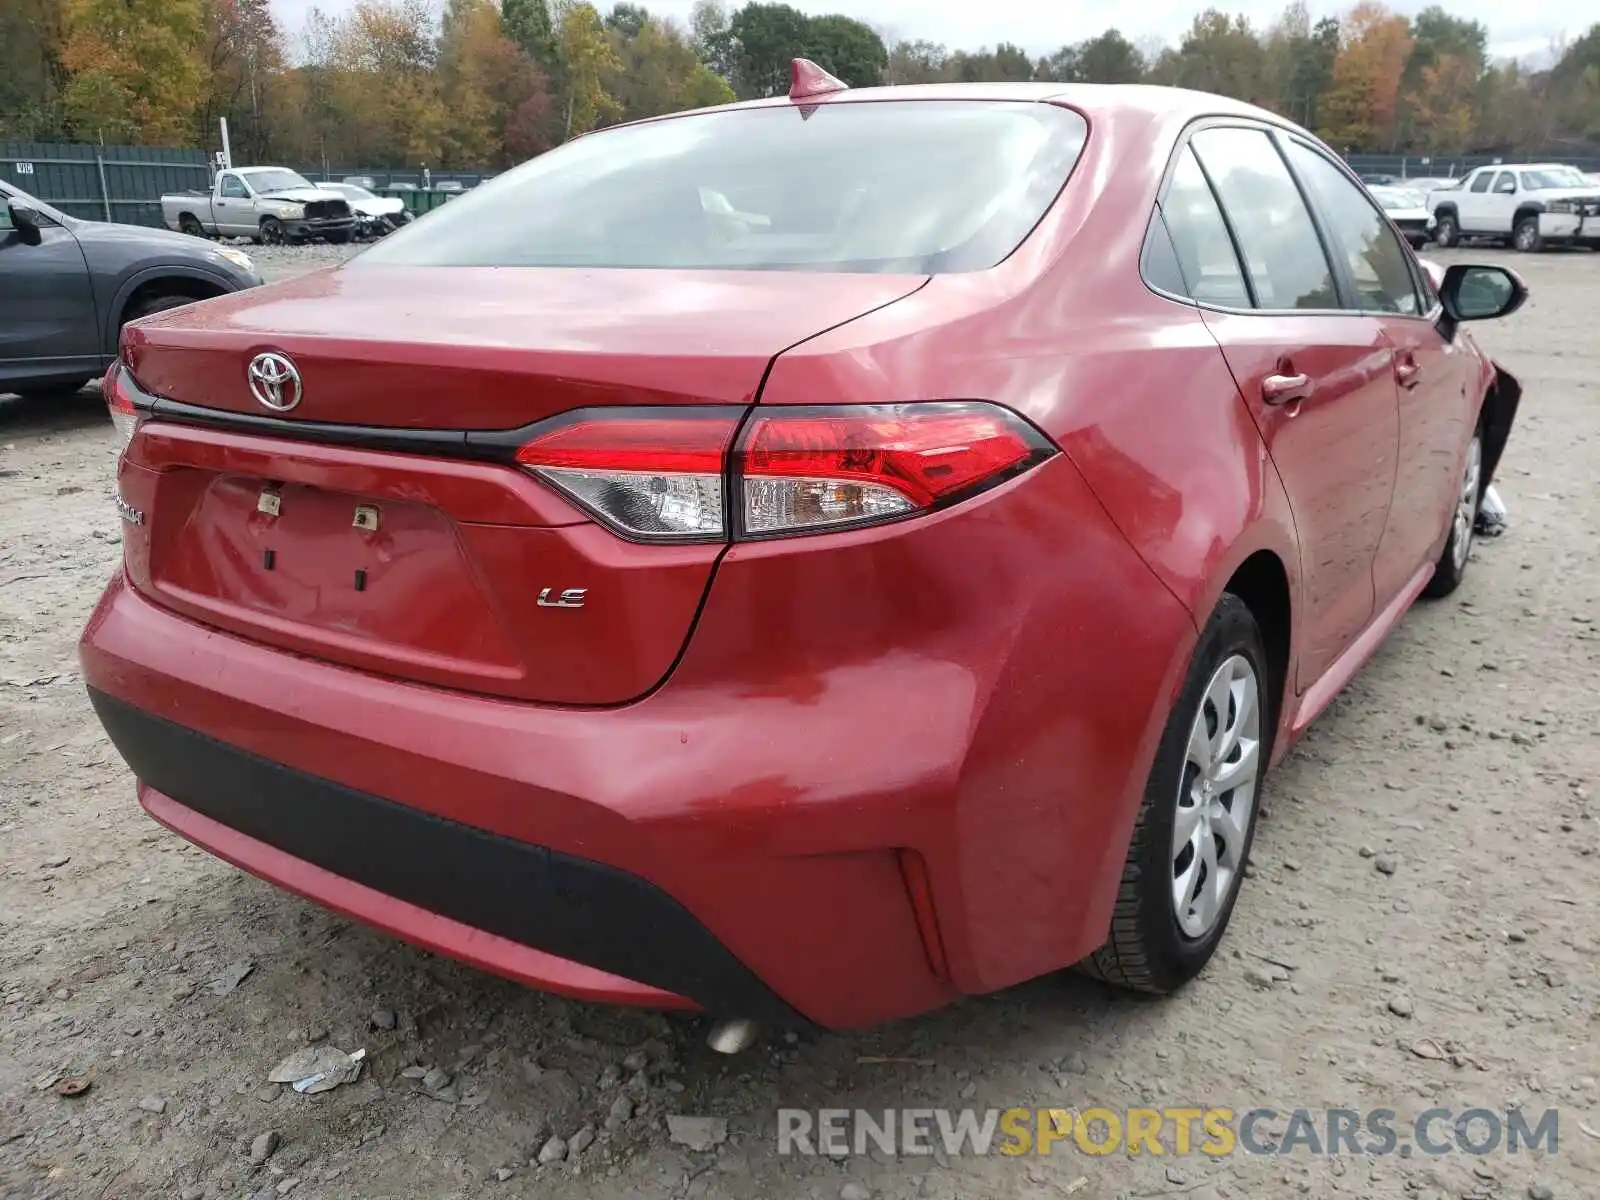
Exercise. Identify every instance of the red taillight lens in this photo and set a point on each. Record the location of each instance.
(650, 474)
(658, 474)
(124, 417)
(811, 468)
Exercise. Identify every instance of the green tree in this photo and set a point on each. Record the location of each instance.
(848, 49)
(528, 24)
(705, 88)
(1222, 54)
(627, 19)
(136, 69)
(916, 62)
(588, 62)
(31, 74)
(766, 39)
(711, 37)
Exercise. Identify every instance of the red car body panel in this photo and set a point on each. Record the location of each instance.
(882, 767)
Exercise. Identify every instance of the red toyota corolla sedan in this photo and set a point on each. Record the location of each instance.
(815, 558)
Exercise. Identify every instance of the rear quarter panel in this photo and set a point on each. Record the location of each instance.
(1135, 391)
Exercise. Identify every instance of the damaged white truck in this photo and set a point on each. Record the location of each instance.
(268, 205)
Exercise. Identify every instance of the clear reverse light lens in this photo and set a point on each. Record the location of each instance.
(772, 504)
(644, 503)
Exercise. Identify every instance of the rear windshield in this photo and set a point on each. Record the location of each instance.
(910, 186)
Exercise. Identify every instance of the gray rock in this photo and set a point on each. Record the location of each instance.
(619, 1112)
(637, 1060)
(1516, 935)
(552, 1151)
(264, 1146)
(968, 1091)
(1257, 977)
(383, 1018)
(153, 1104)
(504, 1173)
(1400, 1005)
(855, 1191)
(1176, 1176)
(1385, 864)
(1538, 1191)
(192, 1193)
(1366, 852)
(639, 1085)
(1075, 1064)
(436, 1079)
(581, 1141)
(610, 1076)
(286, 1186)
(697, 1133)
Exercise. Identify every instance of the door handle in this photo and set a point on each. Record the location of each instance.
(1280, 389)
(1407, 371)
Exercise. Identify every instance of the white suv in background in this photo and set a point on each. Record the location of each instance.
(1530, 205)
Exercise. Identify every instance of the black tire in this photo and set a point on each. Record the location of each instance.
(1451, 568)
(155, 304)
(190, 224)
(272, 232)
(1147, 951)
(1446, 231)
(1525, 235)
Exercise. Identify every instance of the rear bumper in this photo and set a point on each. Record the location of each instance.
(464, 891)
(851, 819)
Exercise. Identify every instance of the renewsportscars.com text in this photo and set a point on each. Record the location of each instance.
(1178, 1131)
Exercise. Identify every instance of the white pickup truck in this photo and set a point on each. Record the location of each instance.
(270, 205)
(1530, 205)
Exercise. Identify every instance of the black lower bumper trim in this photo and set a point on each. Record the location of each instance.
(580, 910)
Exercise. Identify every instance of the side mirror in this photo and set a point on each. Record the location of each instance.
(27, 221)
(1480, 293)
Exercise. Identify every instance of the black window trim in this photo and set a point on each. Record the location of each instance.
(1230, 121)
(1338, 269)
(1347, 285)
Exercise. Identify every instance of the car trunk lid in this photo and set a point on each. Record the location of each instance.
(429, 565)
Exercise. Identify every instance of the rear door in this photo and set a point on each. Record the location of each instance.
(1500, 203)
(1318, 379)
(1437, 410)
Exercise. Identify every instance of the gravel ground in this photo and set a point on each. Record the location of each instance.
(1429, 850)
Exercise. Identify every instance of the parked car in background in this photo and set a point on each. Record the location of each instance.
(892, 599)
(375, 215)
(270, 205)
(1529, 205)
(1408, 209)
(361, 181)
(67, 287)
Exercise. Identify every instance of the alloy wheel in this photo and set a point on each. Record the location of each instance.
(1216, 797)
(1467, 505)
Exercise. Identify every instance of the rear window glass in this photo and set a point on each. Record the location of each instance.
(907, 186)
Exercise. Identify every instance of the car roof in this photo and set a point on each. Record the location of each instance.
(1092, 98)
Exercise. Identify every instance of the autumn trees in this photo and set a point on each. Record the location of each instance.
(469, 84)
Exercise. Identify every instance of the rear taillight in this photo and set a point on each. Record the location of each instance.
(669, 474)
(649, 474)
(124, 417)
(811, 468)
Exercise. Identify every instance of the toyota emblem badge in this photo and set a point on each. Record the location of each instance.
(274, 381)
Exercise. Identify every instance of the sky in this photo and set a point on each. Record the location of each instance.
(1524, 30)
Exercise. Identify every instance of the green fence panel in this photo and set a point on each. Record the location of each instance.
(103, 183)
